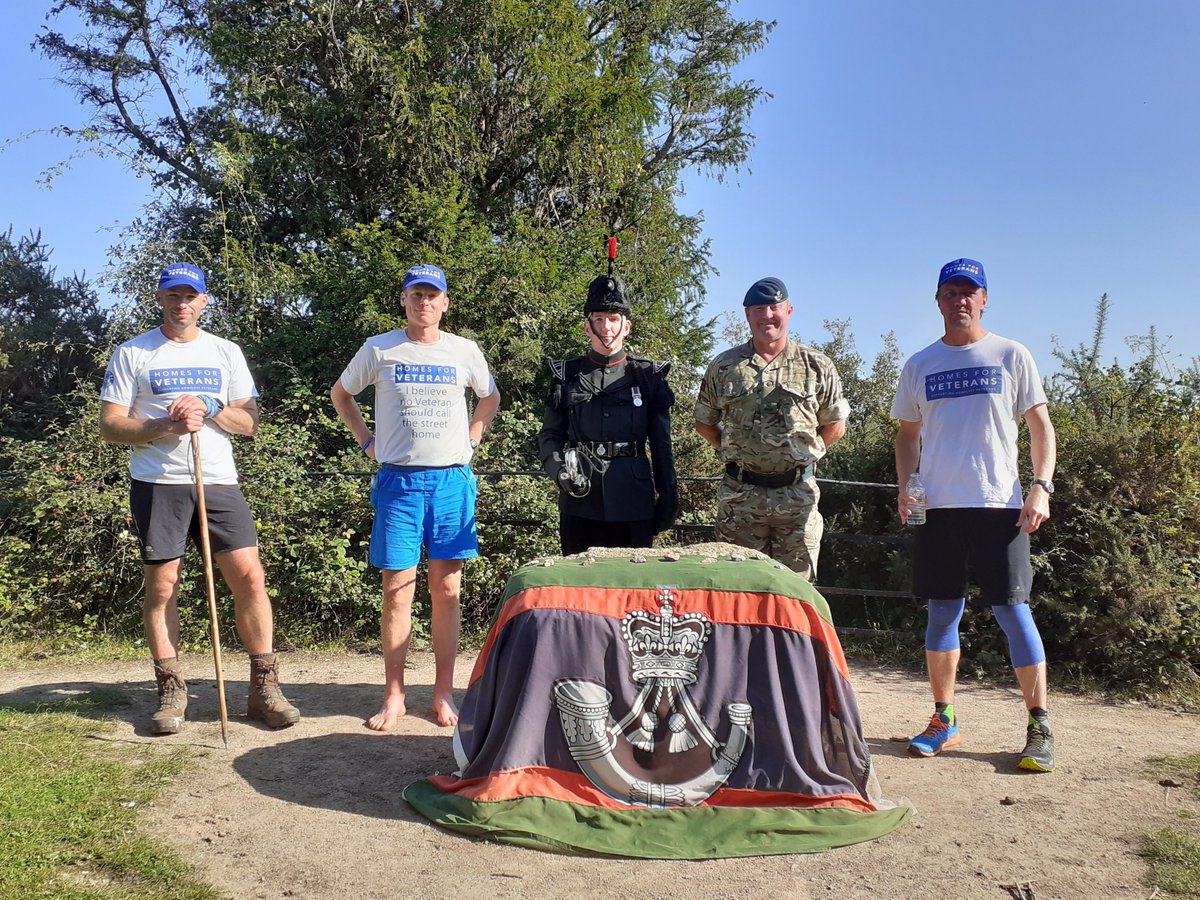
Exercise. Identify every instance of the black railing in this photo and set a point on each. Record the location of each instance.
(684, 530)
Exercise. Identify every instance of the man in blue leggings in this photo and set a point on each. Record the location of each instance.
(960, 402)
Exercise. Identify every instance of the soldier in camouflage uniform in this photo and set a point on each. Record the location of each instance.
(771, 408)
(603, 412)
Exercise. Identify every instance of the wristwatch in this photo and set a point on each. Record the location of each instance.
(1046, 483)
(475, 446)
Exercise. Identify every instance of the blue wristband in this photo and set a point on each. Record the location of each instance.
(212, 405)
(369, 442)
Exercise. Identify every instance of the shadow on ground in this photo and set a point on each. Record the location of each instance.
(361, 774)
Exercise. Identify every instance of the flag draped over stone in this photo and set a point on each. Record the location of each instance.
(696, 705)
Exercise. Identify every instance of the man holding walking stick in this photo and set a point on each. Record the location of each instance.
(162, 387)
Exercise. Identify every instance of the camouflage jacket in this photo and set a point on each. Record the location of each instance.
(769, 412)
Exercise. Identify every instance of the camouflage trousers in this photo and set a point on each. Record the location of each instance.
(782, 522)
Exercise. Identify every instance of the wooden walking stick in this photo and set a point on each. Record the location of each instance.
(206, 552)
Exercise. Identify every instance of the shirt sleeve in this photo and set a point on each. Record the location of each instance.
(708, 410)
(834, 405)
(1030, 391)
(482, 382)
(904, 406)
(120, 381)
(241, 382)
(360, 373)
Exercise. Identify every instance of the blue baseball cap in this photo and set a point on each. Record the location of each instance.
(182, 275)
(971, 269)
(765, 292)
(425, 274)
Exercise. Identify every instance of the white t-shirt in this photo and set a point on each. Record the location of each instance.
(149, 372)
(421, 414)
(969, 401)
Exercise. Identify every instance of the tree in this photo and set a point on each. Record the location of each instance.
(306, 153)
(49, 329)
(499, 138)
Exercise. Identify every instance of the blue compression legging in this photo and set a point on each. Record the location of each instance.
(1024, 642)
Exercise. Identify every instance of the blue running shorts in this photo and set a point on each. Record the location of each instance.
(421, 505)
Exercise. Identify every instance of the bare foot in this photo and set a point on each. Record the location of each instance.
(392, 709)
(445, 711)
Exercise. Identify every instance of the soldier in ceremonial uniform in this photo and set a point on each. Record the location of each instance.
(771, 408)
(606, 434)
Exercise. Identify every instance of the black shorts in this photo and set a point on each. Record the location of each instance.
(166, 514)
(956, 546)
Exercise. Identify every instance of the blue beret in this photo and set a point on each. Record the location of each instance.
(766, 292)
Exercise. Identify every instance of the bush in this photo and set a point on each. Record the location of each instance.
(71, 563)
(1116, 589)
(1119, 582)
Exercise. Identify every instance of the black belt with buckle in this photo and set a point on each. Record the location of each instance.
(773, 479)
(610, 449)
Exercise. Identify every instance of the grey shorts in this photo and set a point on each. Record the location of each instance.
(166, 514)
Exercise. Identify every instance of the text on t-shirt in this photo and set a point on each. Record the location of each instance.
(964, 382)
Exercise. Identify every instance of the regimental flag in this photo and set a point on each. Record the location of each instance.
(685, 708)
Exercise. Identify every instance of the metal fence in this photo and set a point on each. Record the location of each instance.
(688, 532)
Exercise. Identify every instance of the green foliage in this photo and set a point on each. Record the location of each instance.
(1174, 853)
(866, 455)
(71, 560)
(69, 808)
(517, 514)
(457, 127)
(71, 555)
(314, 519)
(1118, 578)
(48, 327)
(1174, 858)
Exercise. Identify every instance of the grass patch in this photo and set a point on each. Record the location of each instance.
(69, 808)
(1174, 853)
(1184, 770)
(51, 650)
(1174, 858)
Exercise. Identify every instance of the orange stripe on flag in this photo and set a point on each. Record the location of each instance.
(556, 784)
(721, 607)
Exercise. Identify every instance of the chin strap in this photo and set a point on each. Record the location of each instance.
(607, 344)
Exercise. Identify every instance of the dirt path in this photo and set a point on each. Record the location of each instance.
(315, 811)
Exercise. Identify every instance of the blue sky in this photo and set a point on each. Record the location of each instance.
(1056, 142)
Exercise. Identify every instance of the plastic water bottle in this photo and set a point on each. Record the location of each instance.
(916, 490)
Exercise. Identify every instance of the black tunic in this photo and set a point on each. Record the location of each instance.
(596, 400)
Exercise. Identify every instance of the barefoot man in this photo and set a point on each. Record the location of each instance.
(424, 493)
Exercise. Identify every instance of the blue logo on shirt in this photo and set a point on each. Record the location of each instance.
(192, 380)
(408, 373)
(964, 382)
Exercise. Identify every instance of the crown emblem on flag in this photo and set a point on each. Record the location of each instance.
(665, 645)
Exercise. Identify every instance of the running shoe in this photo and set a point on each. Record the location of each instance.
(938, 735)
(1038, 755)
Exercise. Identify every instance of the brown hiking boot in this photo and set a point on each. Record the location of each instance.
(266, 702)
(172, 697)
